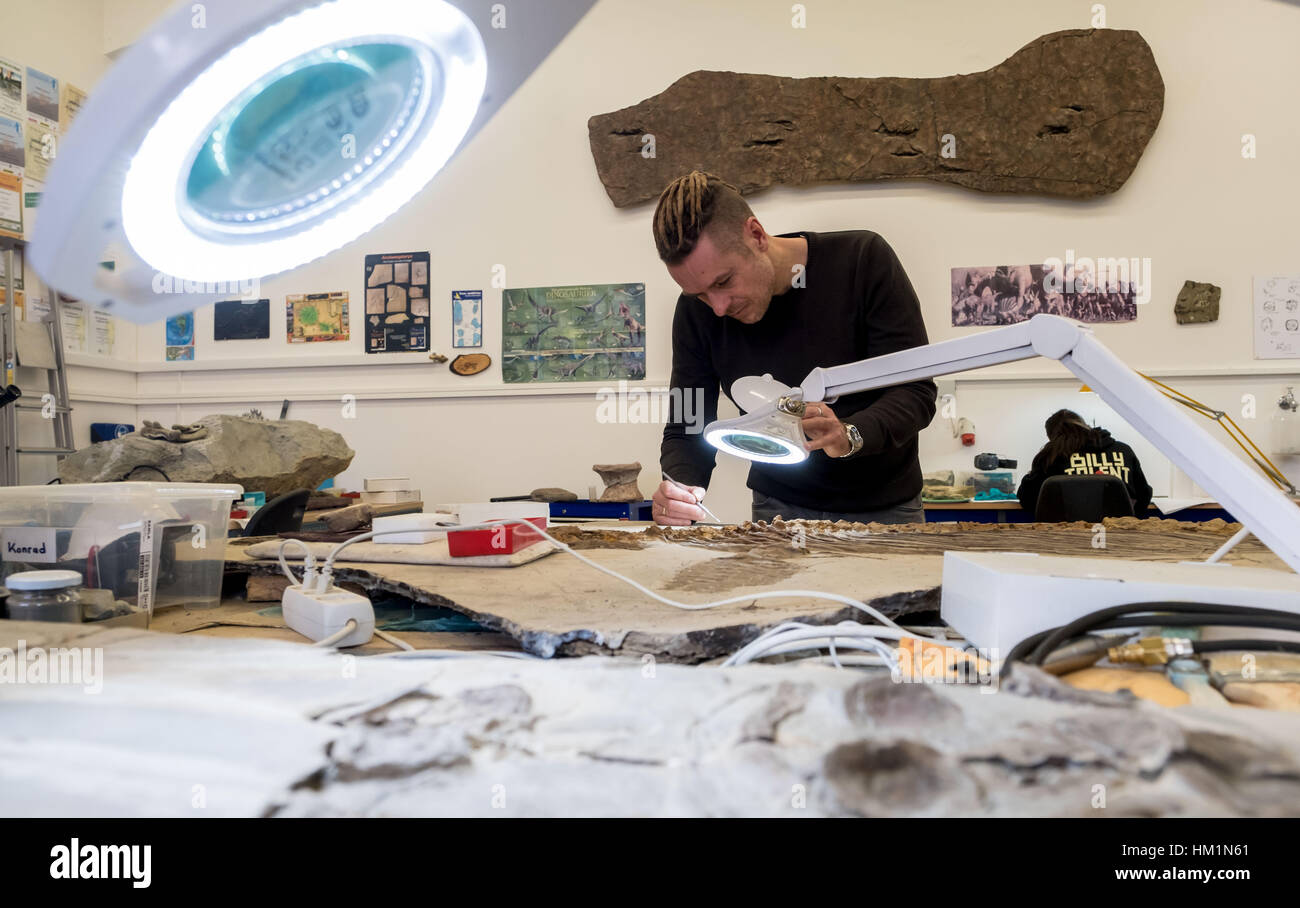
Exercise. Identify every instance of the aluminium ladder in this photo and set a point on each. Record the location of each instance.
(53, 405)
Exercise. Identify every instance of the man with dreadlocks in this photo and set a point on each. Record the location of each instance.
(754, 303)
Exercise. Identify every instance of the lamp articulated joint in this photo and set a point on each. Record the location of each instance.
(792, 404)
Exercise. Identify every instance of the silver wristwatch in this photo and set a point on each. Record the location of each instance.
(855, 440)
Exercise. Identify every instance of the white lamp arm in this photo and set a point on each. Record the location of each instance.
(1261, 507)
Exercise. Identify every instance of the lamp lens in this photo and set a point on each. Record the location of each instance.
(313, 131)
(754, 444)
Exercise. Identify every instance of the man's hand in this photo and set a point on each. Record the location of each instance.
(677, 506)
(825, 431)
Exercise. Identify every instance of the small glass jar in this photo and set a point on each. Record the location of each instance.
(44, 596)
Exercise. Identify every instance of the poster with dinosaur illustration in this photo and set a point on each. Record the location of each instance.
(585, 332)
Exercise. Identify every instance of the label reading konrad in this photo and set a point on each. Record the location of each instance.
(29, 544)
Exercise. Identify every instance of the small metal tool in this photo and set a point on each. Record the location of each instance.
(712, 515)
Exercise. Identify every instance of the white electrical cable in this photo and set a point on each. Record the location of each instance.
(750, 597)
(338, 634)
(400, 644)
(309, 563)
(842, 632)
(794, 635)
(882, 653)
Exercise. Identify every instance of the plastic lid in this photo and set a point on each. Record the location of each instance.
(43, 580)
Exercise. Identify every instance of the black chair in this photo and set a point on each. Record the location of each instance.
(1066, 498)
(279, 515)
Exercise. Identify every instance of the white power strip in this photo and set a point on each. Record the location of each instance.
(316, 615)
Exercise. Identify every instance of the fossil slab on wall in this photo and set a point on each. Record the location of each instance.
(1067, 115)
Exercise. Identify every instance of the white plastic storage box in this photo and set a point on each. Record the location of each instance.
(154, 544)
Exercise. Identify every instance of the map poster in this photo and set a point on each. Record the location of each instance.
(397, 302)
(180, 337)
(588, 332)
(317, 317)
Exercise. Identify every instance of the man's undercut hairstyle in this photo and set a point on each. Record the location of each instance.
(692, 204)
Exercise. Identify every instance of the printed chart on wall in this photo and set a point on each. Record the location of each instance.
(103, 333)
(467, 318)
(19, 269)
(397, 302)
(317, 317)
(11, 205)
(1006, 294)
(74, 326)
(180, 337)
(11, 89)
(576, 333)
(1277, 317)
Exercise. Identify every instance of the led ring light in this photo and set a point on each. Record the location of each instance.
(272, 135)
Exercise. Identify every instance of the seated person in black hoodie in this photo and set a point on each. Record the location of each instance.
(1075, 448)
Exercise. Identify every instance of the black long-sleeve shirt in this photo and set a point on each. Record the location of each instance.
(856, 303)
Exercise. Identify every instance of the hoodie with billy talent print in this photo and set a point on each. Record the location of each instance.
(1102, 455)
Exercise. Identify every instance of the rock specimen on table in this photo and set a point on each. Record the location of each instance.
(437, 357)
(1067, 115)
(620, 481)
(552, 494)
(271, 456)
(326, 501)
(470, 363)
(1197, 303)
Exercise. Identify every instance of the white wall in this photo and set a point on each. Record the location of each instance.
(65, 38)
(525, 194)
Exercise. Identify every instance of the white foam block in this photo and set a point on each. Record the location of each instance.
(484, 511)
(391, 497)
(388, 484)
(410, 529)
(997, 599)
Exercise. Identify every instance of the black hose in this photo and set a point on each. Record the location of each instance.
(1171, 614)
(143, 466)
(1220, 646)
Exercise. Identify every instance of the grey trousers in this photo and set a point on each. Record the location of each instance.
(766, 507)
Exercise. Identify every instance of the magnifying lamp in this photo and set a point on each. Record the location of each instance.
(243, 141)
(770, 431)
